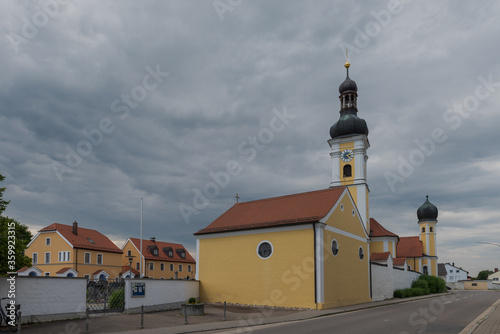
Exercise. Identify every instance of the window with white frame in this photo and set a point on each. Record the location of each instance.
(87, 276)
(64, 256)
(189, 268)
(99, 258)
(180, 267)
(47, 241)
(129, 253)
(34, 258)
(47, 257)
(137, 266)
(162, 266)
(171, 267)
(86, 258)
(47, 274)
(151, 266)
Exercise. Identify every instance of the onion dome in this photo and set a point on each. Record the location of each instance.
(349, 123)
(427, 211)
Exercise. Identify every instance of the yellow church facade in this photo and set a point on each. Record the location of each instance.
(290, 255)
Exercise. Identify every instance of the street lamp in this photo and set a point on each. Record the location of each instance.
(130, 259)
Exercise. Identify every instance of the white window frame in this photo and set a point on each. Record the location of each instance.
(151, 266)
(180, 267)
(47, 241)
(171, 267)
(85, 258)
(189, 268)
(162, 266)
(102, 259)
(34, 258)
(45, 257)
(129, 253)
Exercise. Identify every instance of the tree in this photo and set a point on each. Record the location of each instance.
(483, 274)
(3, 204)
(14, 236)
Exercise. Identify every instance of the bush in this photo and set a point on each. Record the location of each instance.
(436, 284)
(421, 284)
(192, 300)
(117, 300)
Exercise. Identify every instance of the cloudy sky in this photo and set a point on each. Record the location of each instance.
(105, 102)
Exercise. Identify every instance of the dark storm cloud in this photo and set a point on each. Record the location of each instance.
(225, 78)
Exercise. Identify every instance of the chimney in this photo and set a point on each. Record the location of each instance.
(75, 228)
(453, 264)
(496, 269)
(153, 239)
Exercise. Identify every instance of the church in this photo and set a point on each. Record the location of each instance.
(314, 249)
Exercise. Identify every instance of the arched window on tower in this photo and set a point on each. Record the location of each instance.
(347, 170)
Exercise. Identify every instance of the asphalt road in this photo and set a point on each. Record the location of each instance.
(445, 314)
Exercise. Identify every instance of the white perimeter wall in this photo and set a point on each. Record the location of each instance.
(48, 298)
(387, 279)
(160, 294)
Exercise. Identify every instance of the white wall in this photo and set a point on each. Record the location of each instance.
(48, 298)
(452, 275)
(160, 294)
(386, 279)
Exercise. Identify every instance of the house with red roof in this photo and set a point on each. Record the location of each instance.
(73, 251)
(160, 260)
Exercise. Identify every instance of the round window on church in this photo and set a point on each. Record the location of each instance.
(264, 249)
(335, 247)
(361, 253)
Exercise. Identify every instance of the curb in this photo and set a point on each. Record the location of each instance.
(269, 322)
(479, 320)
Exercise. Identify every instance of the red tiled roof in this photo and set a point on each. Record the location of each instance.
(380, 256)
(399, 261)
(23, 269)
(126, 268)
(101, 242)
(377, 230)
(98, 271)
(63, 270)
(409, 247)
(291, 209)
(161, 254)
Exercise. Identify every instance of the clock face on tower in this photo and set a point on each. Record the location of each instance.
(346, 155)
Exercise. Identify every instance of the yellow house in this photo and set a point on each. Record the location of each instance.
(305, 250)
(162, 260)
(73, 251)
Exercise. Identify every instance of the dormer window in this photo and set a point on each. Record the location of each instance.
(181, 252)
(168, 251)
(153, 250)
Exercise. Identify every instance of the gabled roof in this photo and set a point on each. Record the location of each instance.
(305, 207)
(100, 271)
(161, 254)
(409, 247)
(62, 270)
(81, 240)
(399, 261)
(377, 230)
(23, 269)
(380, 256)
(127, 268)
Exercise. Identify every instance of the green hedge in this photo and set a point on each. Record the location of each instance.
(117, 299)
(423, 286)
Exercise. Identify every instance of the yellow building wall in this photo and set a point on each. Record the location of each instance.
(346, 279)
(111, 261)
(157, 272)
(474, 285)
(230, 269)
(376, 246)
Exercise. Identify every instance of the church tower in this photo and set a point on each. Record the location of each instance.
(349, 142)
(427, 215)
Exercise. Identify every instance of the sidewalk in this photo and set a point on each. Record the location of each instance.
(487, 323)
(173, 321)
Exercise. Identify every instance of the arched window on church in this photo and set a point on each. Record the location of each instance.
(347, 170)
(426, 271)
(423, 229)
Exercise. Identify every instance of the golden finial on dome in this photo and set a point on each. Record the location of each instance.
(347, 64)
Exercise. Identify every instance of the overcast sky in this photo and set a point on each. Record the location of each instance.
(105, 102)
